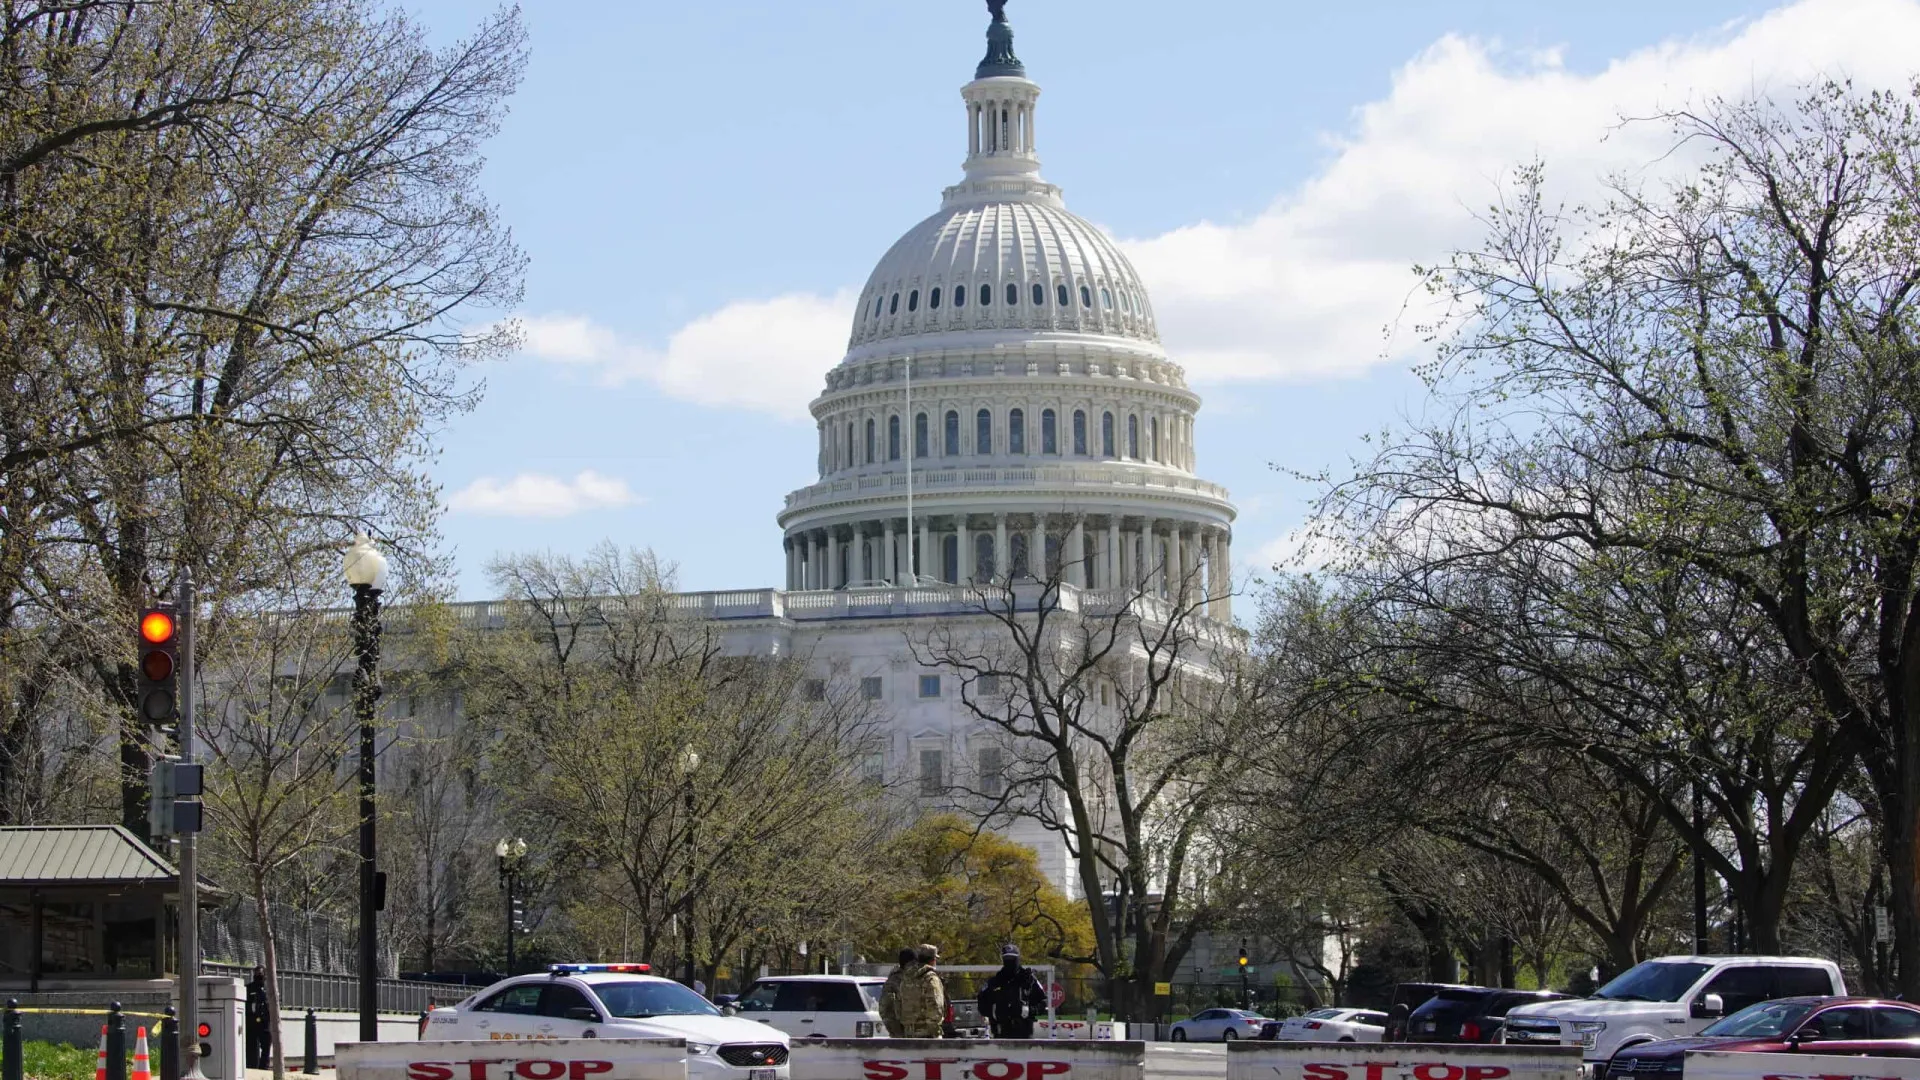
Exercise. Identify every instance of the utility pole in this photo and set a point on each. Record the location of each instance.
(188, 1030)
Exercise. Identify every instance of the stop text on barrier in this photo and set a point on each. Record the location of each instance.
(528, 1069)
(955, 1068)
(1379, 1070)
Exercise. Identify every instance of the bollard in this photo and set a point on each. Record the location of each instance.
(170, 1046)
(312, 1065)
(13, 1065)
(116, 1043)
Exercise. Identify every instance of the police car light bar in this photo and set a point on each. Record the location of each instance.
(622, 969)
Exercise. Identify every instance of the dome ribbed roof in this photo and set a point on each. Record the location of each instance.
(993, 245)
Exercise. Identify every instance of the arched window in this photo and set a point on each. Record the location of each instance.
(1039, 295)
(986, 295)
(1133, 437)
(879, 303)
(1086, 297)
(983, 566)
(1016, 432)
(1013, 294)
(1060, 294)
(893, 306)
(952, 434)
(1125, 304)
(913, 300)
(869, 440)
(1049, 441)
(1017, 556)
(920, 435)
(950, 558)
(933, 299)
(959, 296)
(893, 438)
(1153, 438)
(1079, 432)
(1106, 298)
(1106, 434)
(983, 432)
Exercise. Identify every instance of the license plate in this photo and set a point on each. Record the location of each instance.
(763, 1074)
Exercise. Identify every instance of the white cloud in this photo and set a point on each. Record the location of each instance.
(767, 356)
(537, 495)
(1308, 288)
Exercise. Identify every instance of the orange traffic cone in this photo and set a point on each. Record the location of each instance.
(100, 1060)
(142, 1068)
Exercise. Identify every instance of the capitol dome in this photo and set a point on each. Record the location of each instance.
(1005, 410)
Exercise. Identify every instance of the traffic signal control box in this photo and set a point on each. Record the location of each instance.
(221, 1028)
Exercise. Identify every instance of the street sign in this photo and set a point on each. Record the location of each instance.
(1057, 994)
(1162, 989)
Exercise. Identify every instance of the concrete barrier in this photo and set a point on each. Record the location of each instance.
(1253, 1060)
(966, 1059)
(534, 1059)
(1719, 1065)
(334, 1027)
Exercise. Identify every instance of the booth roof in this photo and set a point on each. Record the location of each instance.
(75, 854)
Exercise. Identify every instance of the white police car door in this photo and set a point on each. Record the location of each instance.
(509, 1013)
(567, 1013)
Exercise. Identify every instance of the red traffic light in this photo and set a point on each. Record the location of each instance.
(156, 627)
(206, 1030)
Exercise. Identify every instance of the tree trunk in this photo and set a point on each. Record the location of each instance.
(271, 961)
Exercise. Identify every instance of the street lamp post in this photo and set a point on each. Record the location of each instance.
(510, 853)
(689, 763)
(366, 571)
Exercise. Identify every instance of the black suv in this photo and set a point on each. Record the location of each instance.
(1468, 1014)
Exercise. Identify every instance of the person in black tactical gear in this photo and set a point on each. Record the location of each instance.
(1013, 997)
(259, 1028)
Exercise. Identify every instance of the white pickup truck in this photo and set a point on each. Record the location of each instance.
(1665, 999)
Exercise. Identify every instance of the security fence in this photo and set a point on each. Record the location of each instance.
(329, 991)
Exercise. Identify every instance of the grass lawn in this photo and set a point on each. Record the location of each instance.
(58, 1061)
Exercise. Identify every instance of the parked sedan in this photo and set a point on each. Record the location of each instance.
(1218, 1025)
(1329, 1025)
(1468, 1014)
(1816, 1025)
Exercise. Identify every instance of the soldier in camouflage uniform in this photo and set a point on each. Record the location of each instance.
(923, 998)
(890, 995)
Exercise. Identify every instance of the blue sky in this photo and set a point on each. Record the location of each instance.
(698, 184)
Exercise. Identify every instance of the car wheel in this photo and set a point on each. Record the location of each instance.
(1346, 1038)
(1179, 1034)
(1229, 1035)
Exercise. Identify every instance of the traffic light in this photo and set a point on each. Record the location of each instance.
(1243, 958)
(156, 679)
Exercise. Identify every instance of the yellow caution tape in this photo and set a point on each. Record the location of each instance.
(86, 1012)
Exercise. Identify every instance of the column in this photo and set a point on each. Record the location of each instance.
(810, 570)
(973, 129)
(786, 545)
(893, 570)
(929, 558)
(1074, 558)
(833, 558)
(965, 541)
(1110, 569)
(1176, 565)
(1037, 549)
(1150, 578)
(1001, 567)
(1225, 547)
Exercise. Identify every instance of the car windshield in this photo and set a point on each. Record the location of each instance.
(1653, 980)
(1769, 1019)
(639, 1000)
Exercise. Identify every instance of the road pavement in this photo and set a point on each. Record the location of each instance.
(1186, 1061)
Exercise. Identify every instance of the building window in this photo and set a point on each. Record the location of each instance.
(1106, 434)
(933, 772)
(1017, 432)
(849, 458)
(1125, 304)
(920, 435)
(1049, 436)
(1039, 295)
(814, 689)
(1086, 297)
(879, 303)
(959, 296)
(983, 565)
(876, 769)
(929, 686)
(893, 438)
(893, 306)
(1017, 564)
(1079, 432)
(870, 688)
(870, 446)
(913, 300)
(1013, 294)
(989, 685)
(986, 295)
(983, 432)
(1106, 298)
(933, 299)
(992, 773)
(950, 558)
(1153, 438)
(952, 434)
(1060, 294)
(1133, 437)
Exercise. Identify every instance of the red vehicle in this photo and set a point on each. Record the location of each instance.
(1817, 1025)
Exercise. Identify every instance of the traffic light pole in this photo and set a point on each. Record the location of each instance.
(188, 1029)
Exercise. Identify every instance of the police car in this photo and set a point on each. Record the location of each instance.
(612, 1001)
